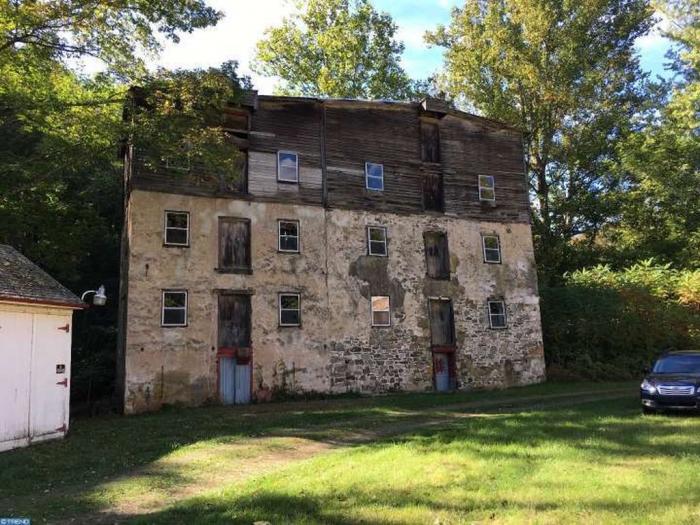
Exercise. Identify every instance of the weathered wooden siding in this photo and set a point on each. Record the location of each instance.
(337, 138)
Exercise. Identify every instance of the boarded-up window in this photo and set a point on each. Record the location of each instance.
(432, 191)
(430, 142)
(234, 321)
(442, 331)
(437, 255)
(234, 245)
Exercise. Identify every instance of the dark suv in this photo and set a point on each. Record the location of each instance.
(673, 383)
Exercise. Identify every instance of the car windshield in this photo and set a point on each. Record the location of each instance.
(678, 364)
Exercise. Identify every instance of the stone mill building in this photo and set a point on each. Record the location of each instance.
(366, 247)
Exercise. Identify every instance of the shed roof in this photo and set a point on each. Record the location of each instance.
(23, 281)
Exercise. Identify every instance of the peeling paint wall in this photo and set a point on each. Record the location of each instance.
(336, 349)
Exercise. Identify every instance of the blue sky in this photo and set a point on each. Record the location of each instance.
(245, 21)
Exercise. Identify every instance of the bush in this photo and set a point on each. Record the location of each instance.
(606, 324)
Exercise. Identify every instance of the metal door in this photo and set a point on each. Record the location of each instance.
(442, 372)
(50, 375)
(227, 379)
(16, 353)
(242, 384)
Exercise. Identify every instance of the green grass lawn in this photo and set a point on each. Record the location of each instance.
(543, 454)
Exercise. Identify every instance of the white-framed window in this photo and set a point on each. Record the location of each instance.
(174, 308)
(288, 236)
(381, 310)
(497, 314)
(374, 176)
(492, 248)
(287, 166)
(376, 241)
(289, 309)
(177, 228)
(487, 188)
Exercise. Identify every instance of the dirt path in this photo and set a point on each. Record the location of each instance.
(203, 467)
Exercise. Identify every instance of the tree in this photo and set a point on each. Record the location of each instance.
(566, 73)
(660, 165)
(110, 30)
(335, 48)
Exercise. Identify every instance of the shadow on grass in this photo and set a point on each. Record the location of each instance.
(56, 479)
(601, 434)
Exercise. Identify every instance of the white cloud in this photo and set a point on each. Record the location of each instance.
(234, 37)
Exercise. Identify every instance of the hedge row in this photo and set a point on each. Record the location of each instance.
(605, 324)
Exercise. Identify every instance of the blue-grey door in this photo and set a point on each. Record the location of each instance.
(442, 372)
(242, 386)
(227, 380)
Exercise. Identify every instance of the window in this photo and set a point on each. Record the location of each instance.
(437, 256)
(492, 248)
(290, 309)
(288, 232)
(287, 166)
(234, 245)
(174, 309)
(487, 191)
(374, 176)
(177, 228)
(376, 241)
(381, 311)
(442, 331)
(429, 142)
(497, 314)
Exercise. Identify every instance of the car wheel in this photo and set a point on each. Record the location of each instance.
(648, 411)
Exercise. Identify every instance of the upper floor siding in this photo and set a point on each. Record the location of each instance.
(432, 159)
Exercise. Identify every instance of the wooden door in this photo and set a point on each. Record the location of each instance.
(50, 375)
(234, 348)
(15, 352)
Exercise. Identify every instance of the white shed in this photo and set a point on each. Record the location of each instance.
(36, 314)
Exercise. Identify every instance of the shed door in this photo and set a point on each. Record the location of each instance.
(50, 374)
(15, 352)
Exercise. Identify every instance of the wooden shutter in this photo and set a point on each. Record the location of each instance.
(430, 141)
(442, 331)
(234, 244)
(437, 255)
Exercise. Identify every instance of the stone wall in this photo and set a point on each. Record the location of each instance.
(336, 349)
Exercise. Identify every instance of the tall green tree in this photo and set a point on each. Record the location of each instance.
(660, 165)
(565, 72)
(113, 31)
(335, 48)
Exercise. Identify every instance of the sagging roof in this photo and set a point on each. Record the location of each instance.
(23, 281)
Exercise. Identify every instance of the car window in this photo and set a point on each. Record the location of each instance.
(678, 364)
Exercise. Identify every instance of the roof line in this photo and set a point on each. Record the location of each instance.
(47, 302)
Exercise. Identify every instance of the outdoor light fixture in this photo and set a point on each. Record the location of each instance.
(100, 296)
